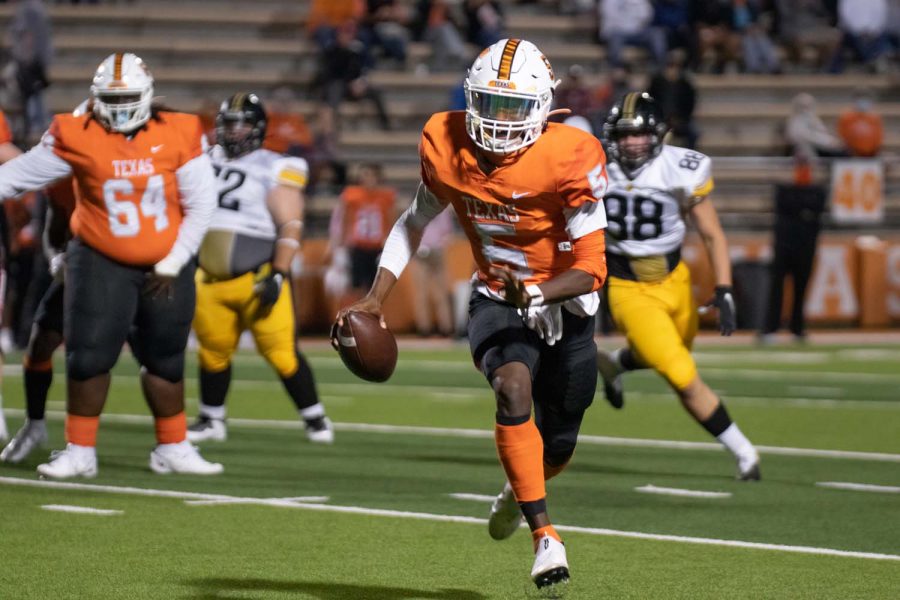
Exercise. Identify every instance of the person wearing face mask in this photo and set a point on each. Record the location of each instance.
(860, 127)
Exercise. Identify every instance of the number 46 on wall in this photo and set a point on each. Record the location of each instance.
(857, 191)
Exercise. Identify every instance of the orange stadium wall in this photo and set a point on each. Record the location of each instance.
(853, 283)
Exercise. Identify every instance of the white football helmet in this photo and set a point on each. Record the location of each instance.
(123, 92)
(509, 90)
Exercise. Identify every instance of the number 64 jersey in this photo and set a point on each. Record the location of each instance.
(645, 212)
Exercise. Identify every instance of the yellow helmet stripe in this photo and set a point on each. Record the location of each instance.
(117, 66)
(238, 101)
(628, 106)
(506, 59)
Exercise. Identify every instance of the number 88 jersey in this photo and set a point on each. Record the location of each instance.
(645, 212)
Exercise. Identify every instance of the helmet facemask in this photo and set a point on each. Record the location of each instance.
(240, 125)
(123, 110)
(505, 122)
(632, 156)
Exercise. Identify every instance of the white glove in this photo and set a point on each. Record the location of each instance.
(544, 320)
(168, 267)
(58, 267)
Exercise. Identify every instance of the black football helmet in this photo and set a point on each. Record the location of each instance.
(241, 124)
(635, 114)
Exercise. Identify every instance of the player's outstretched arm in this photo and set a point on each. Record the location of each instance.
(399, 248)
(706, 219)
(33, 170)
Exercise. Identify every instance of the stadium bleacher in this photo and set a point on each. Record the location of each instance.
(264, 46)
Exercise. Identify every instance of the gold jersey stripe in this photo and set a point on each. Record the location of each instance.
(506, 59)
(705, 189)
(292, 178)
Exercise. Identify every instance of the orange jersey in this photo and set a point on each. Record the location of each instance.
(127, 204)
(61, 195)
(5, 133)
(286, 130)
(518, 215)
(367, 216)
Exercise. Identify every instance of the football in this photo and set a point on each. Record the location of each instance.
(368, 349)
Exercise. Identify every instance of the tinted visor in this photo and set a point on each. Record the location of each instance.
(502, 108)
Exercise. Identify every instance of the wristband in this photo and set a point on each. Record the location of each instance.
(535, 296)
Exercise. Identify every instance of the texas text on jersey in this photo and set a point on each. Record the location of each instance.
(526, 213)
(128, 202)
(645, 211)
(241, 233)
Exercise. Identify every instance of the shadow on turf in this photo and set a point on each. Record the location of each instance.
(218, 588)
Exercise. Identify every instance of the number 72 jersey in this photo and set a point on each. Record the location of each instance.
(645, 213)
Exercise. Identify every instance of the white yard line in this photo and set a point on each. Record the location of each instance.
(84, 510)
(667, 491)
(472, 497)
(600, 440)
(358, 510)
(860, 487)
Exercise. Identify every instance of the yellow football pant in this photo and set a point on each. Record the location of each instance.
(660, 320)
(226, 308)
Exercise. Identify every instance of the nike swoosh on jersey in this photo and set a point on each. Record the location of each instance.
(517, 195)
(155, 149)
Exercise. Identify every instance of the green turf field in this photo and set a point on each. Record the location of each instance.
(396, 508)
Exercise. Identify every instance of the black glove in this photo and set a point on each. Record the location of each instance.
(724, 301)
(268, 289)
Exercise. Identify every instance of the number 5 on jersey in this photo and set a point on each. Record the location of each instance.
(124, 220)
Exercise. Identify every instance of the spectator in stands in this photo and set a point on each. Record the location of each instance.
(807, 134)
(328, 173)
(576, 95)
(286, 129)
(806, 24)
(326, 16)
(674, 17)
(718, 44)
(860, 127)
(630, 22)
(864, 27)
(484, 22)
(365, 216)
(752, 25)
(431, 288)
(343, 77)
(31, 49)
(677, 97)
(385, 26)
(435, 24)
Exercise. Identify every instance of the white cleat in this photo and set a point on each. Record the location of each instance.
(181, 458)
(320, 431)
(748, 468)
(33, 434)
(4, 432)
(205, 429)
(506, 516)
(550, 564)
(74, 461)
(612, 378)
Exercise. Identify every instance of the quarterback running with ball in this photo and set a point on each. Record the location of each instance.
(529, 196)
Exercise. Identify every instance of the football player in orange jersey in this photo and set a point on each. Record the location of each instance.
(8, 151)
(529, 196)
(145, 192)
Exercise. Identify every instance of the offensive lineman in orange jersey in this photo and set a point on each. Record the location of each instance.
(145, 192)
(529, 197)
(8, 151)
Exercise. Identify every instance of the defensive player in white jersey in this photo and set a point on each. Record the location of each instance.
(652, 186)
(244, 262)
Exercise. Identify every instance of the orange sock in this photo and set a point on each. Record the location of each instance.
(171, 430)
(82, 431)
(551, 471)
(43, 365)
(521, 451)
(540, 532)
